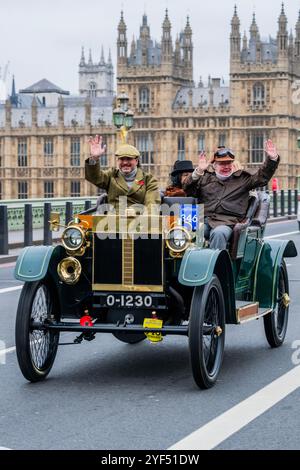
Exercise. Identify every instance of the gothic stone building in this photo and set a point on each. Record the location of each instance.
(44, 130)
(175, 120)
(43, 139)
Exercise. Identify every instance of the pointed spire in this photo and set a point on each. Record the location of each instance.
(109, 57)
(245, 41)
(235, 38)
(187, 49)
(282, 22)
(282, 35)
(82, 59)
(188, 29)
(254, 33)
(13, 89)
(14, 96)
(211, 95)
(122, 41)
(144, 29)
(291, 43)
(166, 43)
(235, 19)
(167, 22)
(102, 61)
(90, 58)
(200, 84)
(133, 48)
(122, 25)
(282, 18)
(177, 50)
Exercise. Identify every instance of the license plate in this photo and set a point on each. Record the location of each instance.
(127, 301)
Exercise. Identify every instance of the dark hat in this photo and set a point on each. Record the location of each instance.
(182, 166)
(223, 154)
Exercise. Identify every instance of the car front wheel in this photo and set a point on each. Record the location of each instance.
(36, 348)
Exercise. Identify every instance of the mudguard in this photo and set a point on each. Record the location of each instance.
(33, 262)
(197, 267)
(267, 270)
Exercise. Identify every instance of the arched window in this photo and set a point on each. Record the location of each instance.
(144, 143)
(256, 146)
(201, 142)
(144, 99)
(92, 90)
(180, 147)
(258, 94)
(222, 140)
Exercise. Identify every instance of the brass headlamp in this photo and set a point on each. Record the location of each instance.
(74, 240)
(178, 239)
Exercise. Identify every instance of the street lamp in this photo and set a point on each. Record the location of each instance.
(122, 116)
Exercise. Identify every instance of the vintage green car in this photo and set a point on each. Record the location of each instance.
(143, 277)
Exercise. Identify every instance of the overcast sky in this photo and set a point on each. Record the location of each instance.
(43, 38)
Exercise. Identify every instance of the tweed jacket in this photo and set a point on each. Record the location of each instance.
(143, 191)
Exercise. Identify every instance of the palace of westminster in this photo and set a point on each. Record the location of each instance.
(44, 129)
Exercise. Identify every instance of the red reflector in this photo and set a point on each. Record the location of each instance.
(86, 320)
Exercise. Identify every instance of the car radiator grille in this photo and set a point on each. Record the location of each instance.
(128, 264)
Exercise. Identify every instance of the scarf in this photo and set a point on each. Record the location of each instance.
(222, 178)
(129, 177)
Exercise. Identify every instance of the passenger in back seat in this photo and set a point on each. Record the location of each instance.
(225, 191)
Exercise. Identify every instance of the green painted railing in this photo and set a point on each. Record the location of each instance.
(15, 209)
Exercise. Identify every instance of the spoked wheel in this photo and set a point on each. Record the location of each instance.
(207, 332)
(276, 322)
(36, 349)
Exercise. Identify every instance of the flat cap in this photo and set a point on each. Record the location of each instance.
(126, 150)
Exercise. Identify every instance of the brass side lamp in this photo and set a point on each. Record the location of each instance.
(54, 221)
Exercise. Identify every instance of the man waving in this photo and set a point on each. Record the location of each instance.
(225, 192)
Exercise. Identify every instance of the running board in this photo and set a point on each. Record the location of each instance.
(247, 311)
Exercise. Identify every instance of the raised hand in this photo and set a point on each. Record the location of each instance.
(203, 164)
(270, 150)
(97, 148)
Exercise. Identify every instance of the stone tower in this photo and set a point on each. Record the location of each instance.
(154, 71)
(96, 79)
(262, 74)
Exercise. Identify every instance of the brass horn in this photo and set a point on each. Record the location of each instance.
(69, 270)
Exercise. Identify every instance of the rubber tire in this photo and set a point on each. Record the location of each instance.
(274, 339)
(28, 368)
(203, 378)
